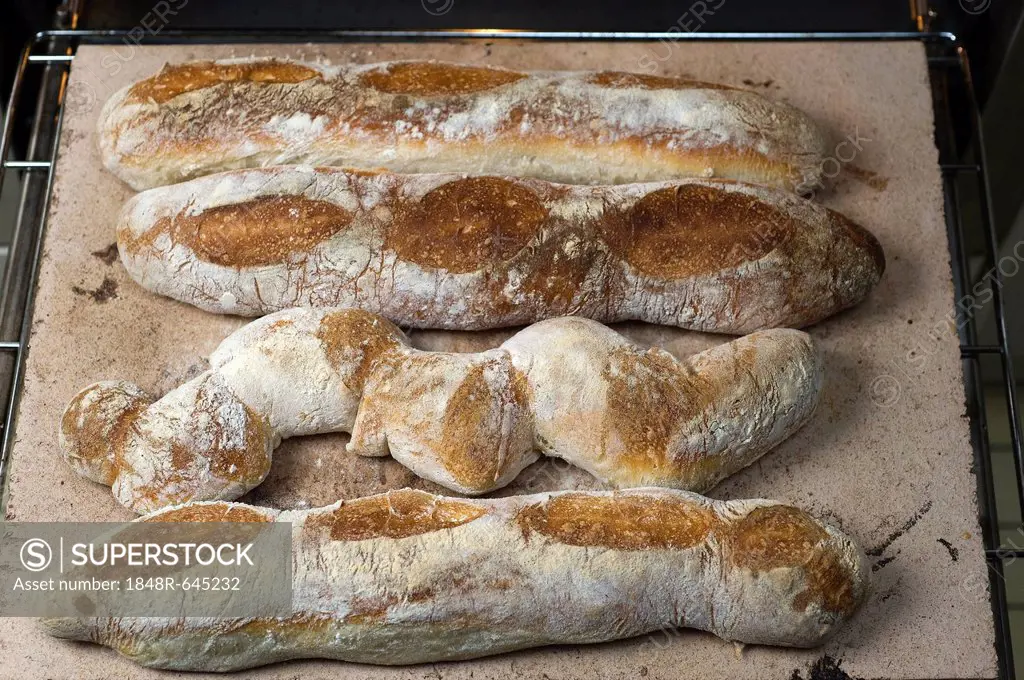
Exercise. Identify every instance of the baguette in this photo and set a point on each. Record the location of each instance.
(451, 252)
(408, 577)
(419, 116)
(568, 388)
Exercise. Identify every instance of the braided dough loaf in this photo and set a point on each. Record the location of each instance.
(568, 387)
(416, 116)
(447, 251)
(408, 577)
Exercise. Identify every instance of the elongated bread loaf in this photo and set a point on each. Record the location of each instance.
(567, 387)
(408, 577)
(582, 128)
(446, 251)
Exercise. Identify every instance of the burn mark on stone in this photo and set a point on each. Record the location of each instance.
(107, 255)
(825, 668)
(872, 179)
(902, 529)
(620, 79)
(106, 291)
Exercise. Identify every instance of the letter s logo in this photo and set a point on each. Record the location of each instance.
(36, 554)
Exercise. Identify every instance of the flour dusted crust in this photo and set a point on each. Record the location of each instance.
(408, 577)
(455, 252)
(567, 387)
(419, 116)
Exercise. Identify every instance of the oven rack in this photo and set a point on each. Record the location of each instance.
(41, 82)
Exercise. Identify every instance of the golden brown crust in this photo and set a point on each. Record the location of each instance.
(561, 568)
(397, 514)
(302, 624)
(355, 336)
(780, 536)
(97, 437)
(862, 238)
(534, 250)
(246, 465)
(429, 79)
(368, 610)
(210, 512)
(620, 522)
(564, 274)
(175, 80)
(264, 231)
(618, 127)
(467, 446)
(694, 230)
(649, 393)
(463, 224)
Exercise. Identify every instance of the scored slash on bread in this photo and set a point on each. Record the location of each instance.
(418, 116)
(409, 577)
(467, 253)
(569, 388)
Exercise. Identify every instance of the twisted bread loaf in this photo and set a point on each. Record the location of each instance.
(408, 577)
(567, 387)
(445, 251)
(415, 116)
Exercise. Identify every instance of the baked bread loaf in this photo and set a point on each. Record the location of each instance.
(419, 116)
(408, 577)
(454, 252)
(568, 387)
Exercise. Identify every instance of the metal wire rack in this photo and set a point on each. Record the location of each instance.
(47, 59)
